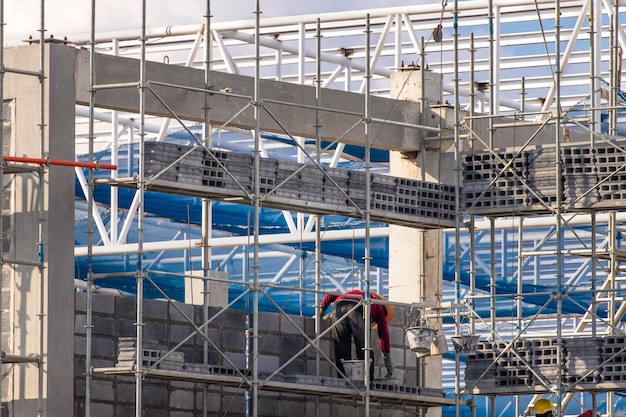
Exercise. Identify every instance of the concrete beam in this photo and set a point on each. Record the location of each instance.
(286, 107)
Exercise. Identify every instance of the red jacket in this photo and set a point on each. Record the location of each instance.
(377, 315)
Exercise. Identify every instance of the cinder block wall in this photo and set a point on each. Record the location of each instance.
(280, 340)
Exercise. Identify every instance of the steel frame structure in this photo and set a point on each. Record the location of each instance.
(509, 50)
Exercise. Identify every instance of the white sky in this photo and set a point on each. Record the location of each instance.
(67, 17)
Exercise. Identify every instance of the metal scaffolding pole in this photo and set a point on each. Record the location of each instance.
(207, 218)
(256, 214)
(367, 213)
(40, 207)
(141, 184)
(559, 289)
(457, 198)
(90, 220)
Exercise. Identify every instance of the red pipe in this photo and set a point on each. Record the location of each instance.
(48, 162)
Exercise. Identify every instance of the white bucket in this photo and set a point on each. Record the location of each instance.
(420, 338)
(354, 369)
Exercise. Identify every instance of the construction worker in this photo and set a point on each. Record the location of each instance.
(353, 327)
(543, 408)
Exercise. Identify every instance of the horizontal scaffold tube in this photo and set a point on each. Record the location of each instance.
(48, 162)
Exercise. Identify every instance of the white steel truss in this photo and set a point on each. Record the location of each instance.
(514, 38)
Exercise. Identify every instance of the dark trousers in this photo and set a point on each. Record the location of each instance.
(352, 328)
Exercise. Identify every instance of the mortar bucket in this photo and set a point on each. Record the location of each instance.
(354, 369)
(465, 343)
(420, 338)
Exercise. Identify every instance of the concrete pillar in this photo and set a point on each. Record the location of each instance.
(415, 263)
(38, 305)
(217, 288)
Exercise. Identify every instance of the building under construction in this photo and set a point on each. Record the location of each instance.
(463, 163)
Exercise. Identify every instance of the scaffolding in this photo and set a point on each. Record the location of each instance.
(502, 81)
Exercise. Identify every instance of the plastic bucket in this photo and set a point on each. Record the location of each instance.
(354, 369)
(420, 338)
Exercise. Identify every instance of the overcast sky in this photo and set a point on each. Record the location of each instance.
(67, 17)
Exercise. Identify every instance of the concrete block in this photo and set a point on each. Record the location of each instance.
(102, 409)
(126, 328)
(397, 336)
(178, 333)
(214, 335)
(268, 322)
(176, 316)
(271, 405)
(292, 345)
(154, 309)
(156, 331)
(103, 347)
(235, 404)
(213, 401)
(126, 306)
(234, 340)
(216, 320)
(287, 327)
(102, 390)
(234, 319)
(104, 304)
(268, 363)
(103, 325)
(181, 399)
(238, 359)
(155, 395)
(125, 392)
(270, 343)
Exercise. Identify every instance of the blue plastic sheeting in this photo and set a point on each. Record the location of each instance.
(161, 265)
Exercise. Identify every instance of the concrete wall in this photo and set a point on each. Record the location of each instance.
(280, 340)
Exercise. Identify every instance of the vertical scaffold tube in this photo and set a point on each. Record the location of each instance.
(559, 201)
(457, 228)
(90, 220)
(257, 209)
(140, 219)
(40, 190)
(207, 218)
(368, 188)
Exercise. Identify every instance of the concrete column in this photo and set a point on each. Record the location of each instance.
(415, 264)
(38, 305)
